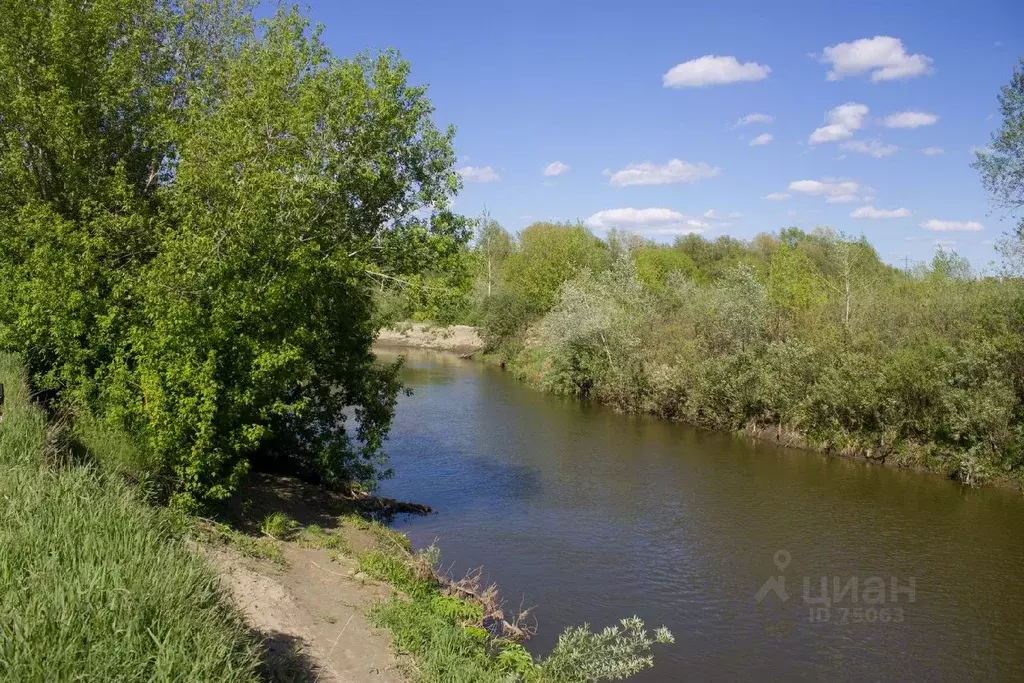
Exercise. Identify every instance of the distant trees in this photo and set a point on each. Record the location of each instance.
(550, 254)
(808, 335)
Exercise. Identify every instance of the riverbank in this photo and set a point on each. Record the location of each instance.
(97, 583)
(459, 339)
(292, 582)
(532, 364)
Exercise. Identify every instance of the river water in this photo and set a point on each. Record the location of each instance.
(590, 516)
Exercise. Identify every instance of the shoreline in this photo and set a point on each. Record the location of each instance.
(429, 337)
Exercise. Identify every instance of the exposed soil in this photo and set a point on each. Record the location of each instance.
(310, 610)
(461, 339)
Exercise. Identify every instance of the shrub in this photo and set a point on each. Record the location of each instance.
(190, 247)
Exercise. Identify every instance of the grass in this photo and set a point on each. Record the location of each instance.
(443, 633)
(95, 584)
(217, 533)
(443, 650)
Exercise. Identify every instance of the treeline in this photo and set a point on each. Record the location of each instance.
(806, 337)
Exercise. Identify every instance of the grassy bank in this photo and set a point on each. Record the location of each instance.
(96, 585)
(457, 631)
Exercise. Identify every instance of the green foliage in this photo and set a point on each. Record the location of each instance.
(449, 640)
(505, 319)
(443, 651)
(596, 334)
(217, 533)
(614, 653)
(279, 526)
(314, 536)
(196, 207)
(550, 254)
(394, 570)
(94, 583)
(456, 609)
(656, 265)
(807, 337)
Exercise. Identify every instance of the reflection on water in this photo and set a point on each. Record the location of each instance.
(592, 516)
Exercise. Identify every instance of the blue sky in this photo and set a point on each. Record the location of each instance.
(640, 101)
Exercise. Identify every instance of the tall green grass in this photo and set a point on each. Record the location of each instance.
(95, 585)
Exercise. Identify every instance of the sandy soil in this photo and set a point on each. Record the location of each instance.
(460, 339)
(312, 616)
(310, 611)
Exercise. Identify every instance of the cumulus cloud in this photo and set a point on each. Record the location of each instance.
(932, 151)
(776, 196)
(842, 122)
(556, 168)
(952, 226)
(872, 213)
(944, 244)
(649, 173)
(712, 70)
(884, 56)
(910, 119)
(873, 147)
(754, 118)
(478, 174)
(834, 191)
(762, 139)
(654, 221)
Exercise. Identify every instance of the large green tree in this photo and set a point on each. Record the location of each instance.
(195, 207)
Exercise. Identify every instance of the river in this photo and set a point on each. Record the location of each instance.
(591, 516)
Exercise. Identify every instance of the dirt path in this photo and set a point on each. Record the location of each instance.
(312, 615)
(311, 608)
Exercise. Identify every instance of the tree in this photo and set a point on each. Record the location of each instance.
(493, 245)
(848, 267)
(550, 254)
(195, 209)
(793, 286)
(1002, 166)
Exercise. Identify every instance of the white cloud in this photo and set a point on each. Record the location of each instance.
(834, 191)
(944, 244)
(754, 118)
(556, 168)
(910, 119)
(762, 139)
(712, 70)
(710, 213)
(872, 147)
(872, 213)
(932, 151)
(776, 196)
(842, 122)
(649, 173)
(951, 226)
(478, 174)
(884, 56)
(655, 221)
(982, 149)
(735, 214)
